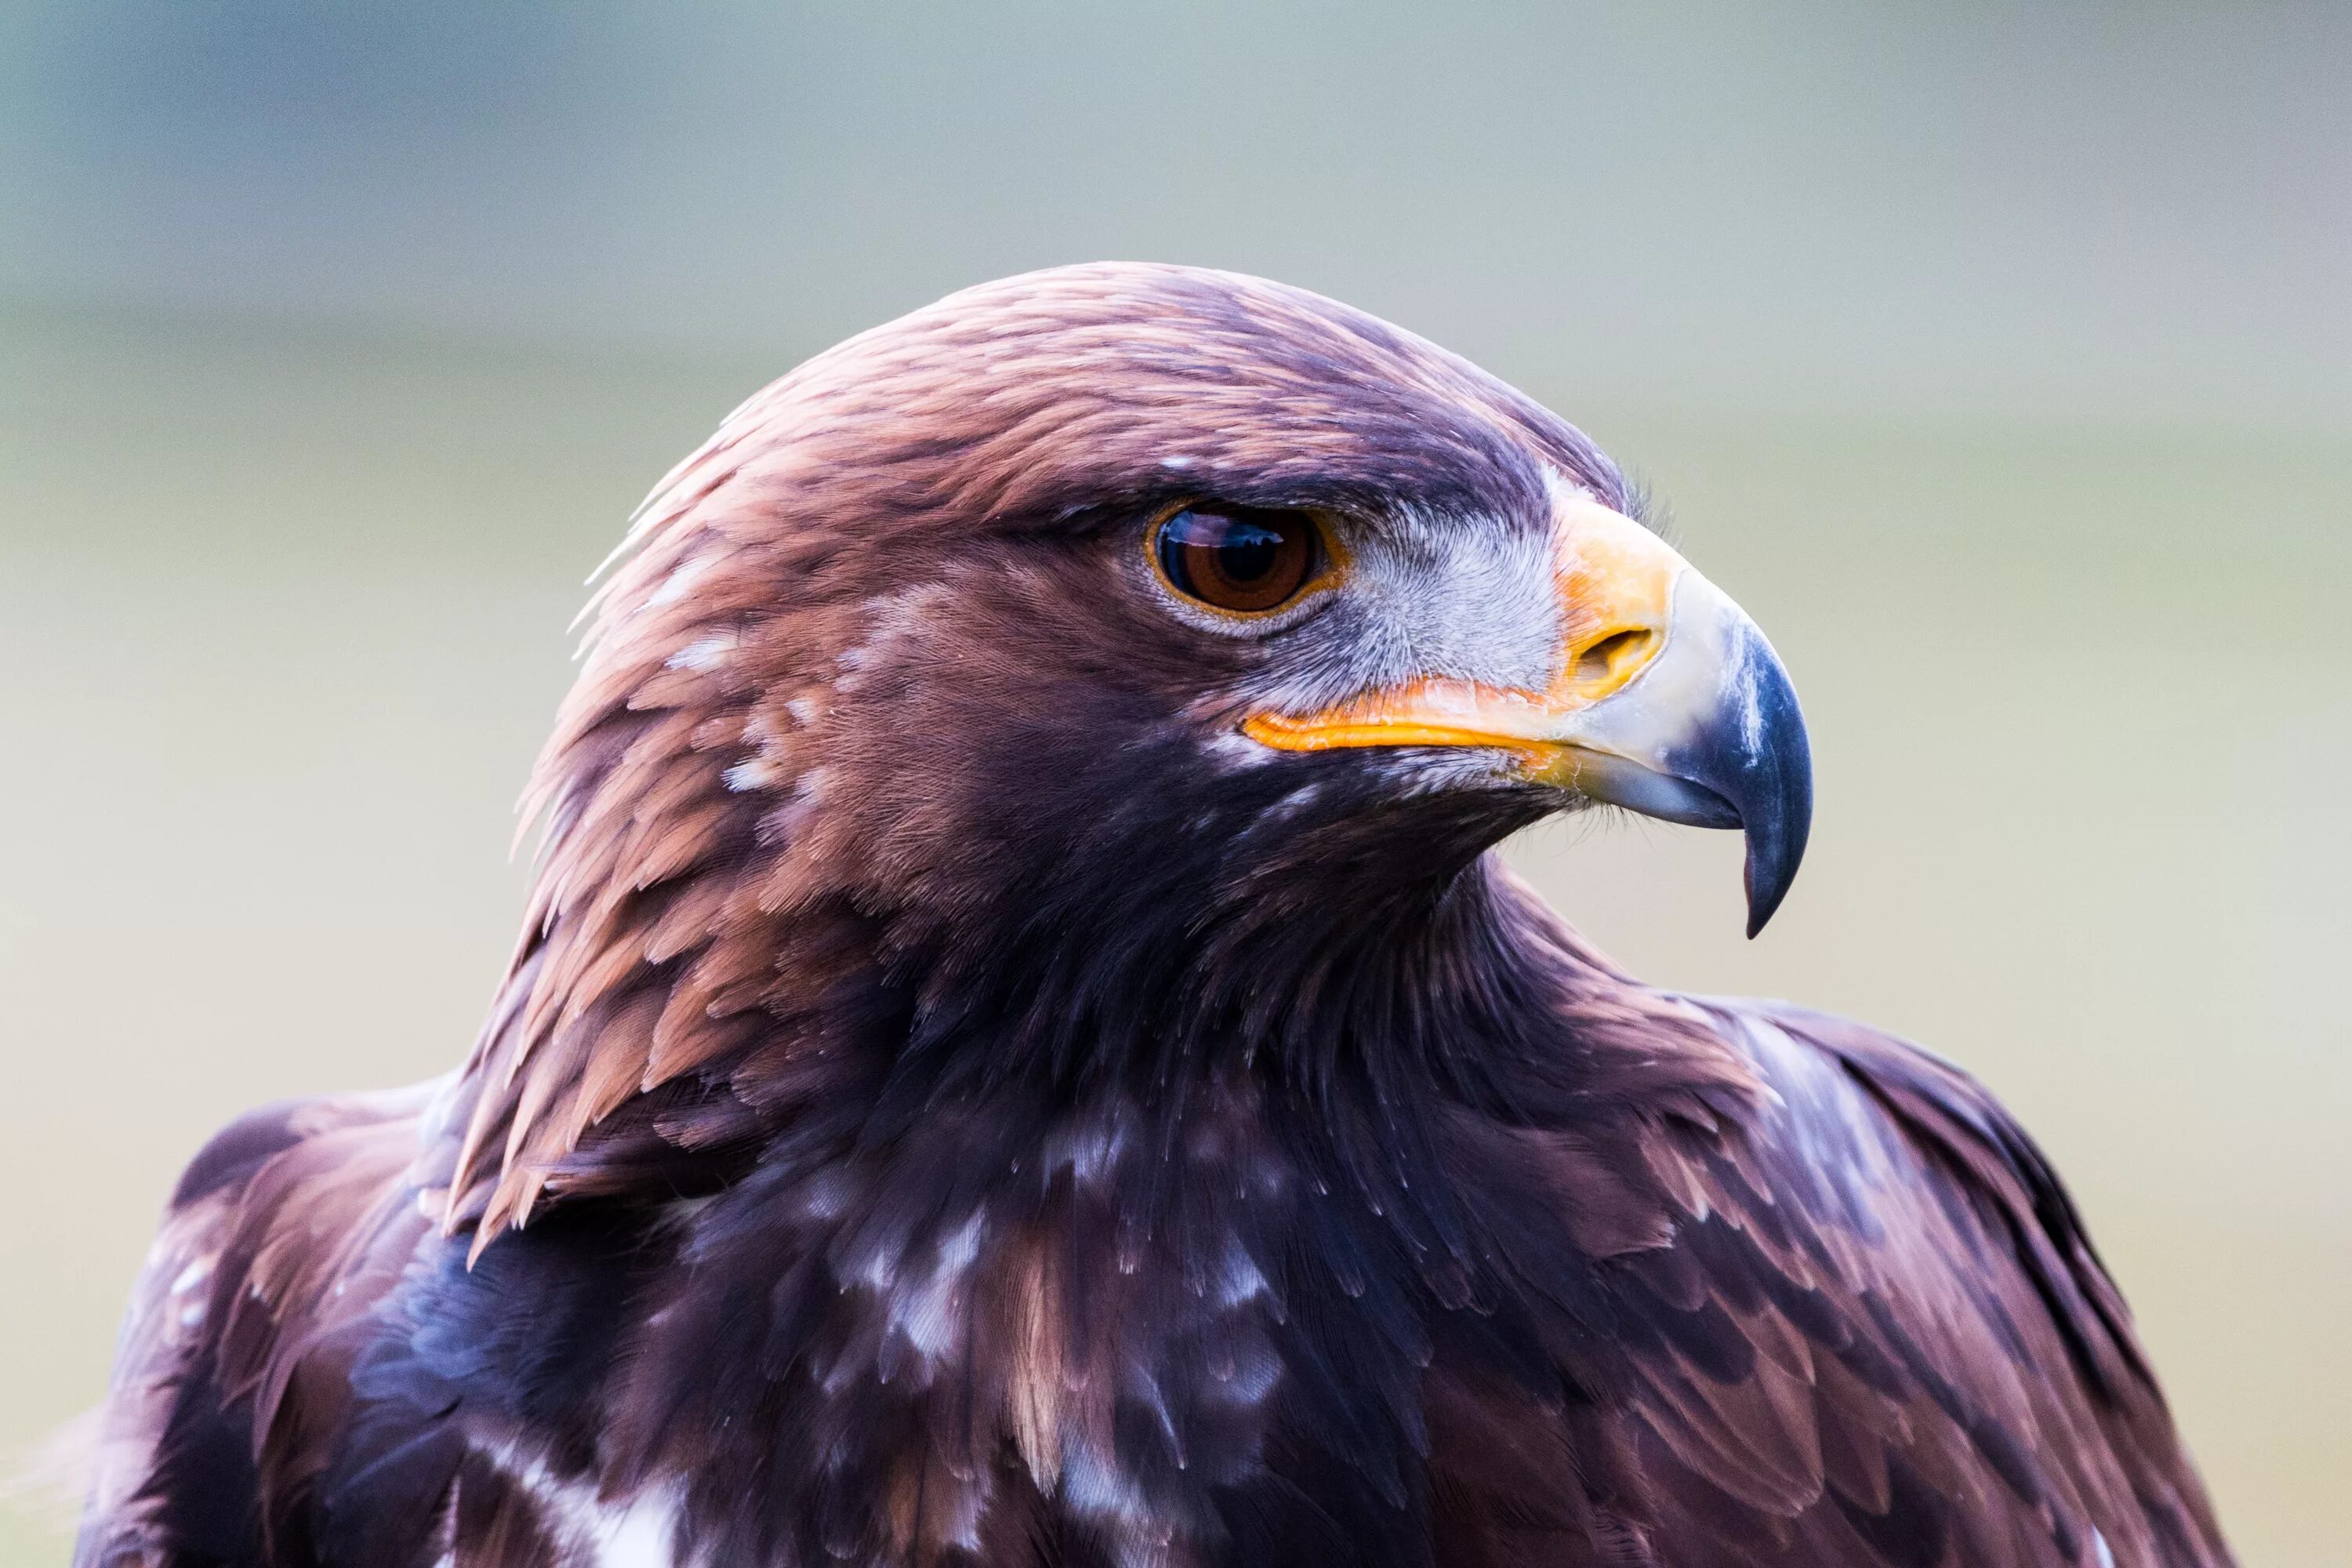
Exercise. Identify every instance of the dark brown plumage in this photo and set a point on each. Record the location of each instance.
(1006, 1064)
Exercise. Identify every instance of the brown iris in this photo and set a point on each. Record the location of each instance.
(1242, 559)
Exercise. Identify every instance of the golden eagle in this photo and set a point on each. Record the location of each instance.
(1021, 1050)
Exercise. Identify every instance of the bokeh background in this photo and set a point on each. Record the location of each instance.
(1998, 357)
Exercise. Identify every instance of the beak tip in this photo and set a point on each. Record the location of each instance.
(1777, 803)
(1759, 913)
(1776, 845)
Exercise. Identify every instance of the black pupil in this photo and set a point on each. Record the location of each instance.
(1248, 549)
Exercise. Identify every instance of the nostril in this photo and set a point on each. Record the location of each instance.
(1618, 653)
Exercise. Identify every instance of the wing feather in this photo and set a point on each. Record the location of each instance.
(1883, 1334)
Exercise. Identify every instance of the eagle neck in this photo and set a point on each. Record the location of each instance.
(1460, 992)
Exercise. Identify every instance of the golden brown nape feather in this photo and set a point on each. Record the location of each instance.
(696, 873)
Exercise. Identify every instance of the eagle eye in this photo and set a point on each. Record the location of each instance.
(1244, 560)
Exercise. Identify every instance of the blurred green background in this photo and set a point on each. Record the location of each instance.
(1997, 358)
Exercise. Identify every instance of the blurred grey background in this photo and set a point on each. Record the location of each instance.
(1998, 358)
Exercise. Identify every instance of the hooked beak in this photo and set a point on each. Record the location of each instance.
(1666, 700)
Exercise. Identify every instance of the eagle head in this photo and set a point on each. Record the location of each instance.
(1110, 653)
